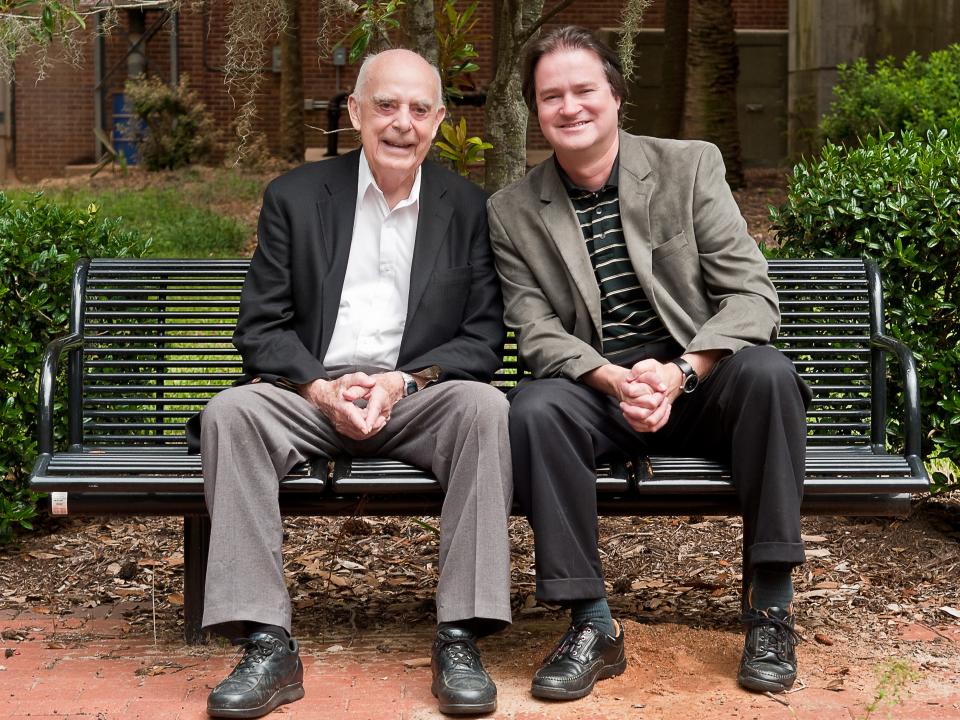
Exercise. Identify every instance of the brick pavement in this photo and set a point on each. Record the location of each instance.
(89, 666)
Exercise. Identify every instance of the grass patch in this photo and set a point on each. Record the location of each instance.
(187, 214)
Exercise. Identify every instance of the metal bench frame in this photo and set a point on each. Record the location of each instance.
(149, 344)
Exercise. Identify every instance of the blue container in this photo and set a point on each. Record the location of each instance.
(127, 130)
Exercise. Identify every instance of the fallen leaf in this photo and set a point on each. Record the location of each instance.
(175, 598)
(813, 538)
(350, 565)
(817, 552)
(823, 639)
(952, 612)
(417, 662)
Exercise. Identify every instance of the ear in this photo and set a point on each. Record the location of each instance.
(353, 107)
(441, 114)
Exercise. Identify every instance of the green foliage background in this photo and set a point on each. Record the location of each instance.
(918, 95)
(896, 200)
(39, 245)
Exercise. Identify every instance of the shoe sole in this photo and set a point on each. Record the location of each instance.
(284, 695)
(555, 693)
(465, 708)
(757, 685)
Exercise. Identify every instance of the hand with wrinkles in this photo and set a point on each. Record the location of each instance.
(358, 405)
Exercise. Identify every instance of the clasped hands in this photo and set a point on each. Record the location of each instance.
(358, 405)
(645, 391)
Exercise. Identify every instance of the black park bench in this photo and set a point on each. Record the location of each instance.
(149, 344)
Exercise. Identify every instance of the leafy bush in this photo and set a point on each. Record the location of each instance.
(895, 200)
(179, 131)
(920, 95)
(39, 244)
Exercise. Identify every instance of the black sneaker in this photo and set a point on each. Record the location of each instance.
(769, 661)
(269, 674)
(460, 683)
(583, 656)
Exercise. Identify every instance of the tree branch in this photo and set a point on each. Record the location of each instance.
(544, 19)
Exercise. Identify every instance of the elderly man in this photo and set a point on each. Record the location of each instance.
(643, 308)
(370, 323)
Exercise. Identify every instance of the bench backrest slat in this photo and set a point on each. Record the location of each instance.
(157, 345)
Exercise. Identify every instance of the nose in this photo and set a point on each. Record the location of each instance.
(403, 119)
(569, 104)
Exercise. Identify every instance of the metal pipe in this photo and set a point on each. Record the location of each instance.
(98, 55)
(174, 48)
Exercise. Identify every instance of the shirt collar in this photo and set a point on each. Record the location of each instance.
(365, 180)
(572, 187)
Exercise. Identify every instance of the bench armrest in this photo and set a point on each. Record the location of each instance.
(911, 389)
(48, 386)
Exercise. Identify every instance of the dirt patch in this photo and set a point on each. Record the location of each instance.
(874, 591)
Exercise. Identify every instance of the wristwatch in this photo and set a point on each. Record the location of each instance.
(409, 384)
(690, 377)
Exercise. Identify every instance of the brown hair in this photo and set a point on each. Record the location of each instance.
(570, 37)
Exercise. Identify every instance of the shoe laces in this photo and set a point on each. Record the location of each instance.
(254, 653)
(462, 652)
(572, 641)
(775, 634)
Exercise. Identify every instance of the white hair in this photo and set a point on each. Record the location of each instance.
(365, 71)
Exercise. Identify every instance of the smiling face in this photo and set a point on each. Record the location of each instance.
(577, 110)
(397, 110)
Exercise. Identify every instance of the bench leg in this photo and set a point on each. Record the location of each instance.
(196, 546)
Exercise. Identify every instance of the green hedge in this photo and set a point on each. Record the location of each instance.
(919, 95)
(39, 244)
(896, 199)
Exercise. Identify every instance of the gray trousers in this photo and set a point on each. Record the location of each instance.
(252, 435)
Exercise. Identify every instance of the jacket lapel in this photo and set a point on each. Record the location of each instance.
(636, 189)
(336, 207)
(562, 227)
(432, 224)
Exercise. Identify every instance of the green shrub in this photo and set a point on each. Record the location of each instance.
(179, 131)
(895, 200)
(39, 244)
(919, 95)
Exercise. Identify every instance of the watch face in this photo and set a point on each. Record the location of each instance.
(690, 383)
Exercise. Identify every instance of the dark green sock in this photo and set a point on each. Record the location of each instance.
(597, 611)
(772, 586)
(278, 632)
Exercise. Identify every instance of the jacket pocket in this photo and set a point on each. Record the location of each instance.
(674, 245)
(454, 275)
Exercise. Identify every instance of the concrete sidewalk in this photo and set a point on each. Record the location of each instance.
(87, 665)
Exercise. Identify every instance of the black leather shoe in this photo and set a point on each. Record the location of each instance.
(269, 674)
(460, 683)
(585, 654)
(769, 661)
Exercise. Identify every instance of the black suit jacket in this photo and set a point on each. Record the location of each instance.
(291, 294)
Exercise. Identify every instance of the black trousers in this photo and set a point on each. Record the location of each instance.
(750, 411)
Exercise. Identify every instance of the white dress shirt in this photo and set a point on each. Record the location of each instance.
(376, 288)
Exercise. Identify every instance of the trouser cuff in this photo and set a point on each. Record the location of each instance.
(789, 554)
(564, 590)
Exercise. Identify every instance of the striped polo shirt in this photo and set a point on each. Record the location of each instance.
(631, 328)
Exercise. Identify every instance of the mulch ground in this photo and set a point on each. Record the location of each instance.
(875, 596)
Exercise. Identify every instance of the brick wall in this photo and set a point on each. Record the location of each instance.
(55, 116)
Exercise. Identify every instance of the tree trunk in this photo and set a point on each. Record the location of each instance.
(712, 90)
(505, 112)
(420, 28)
(673, 79)
(292, 141)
